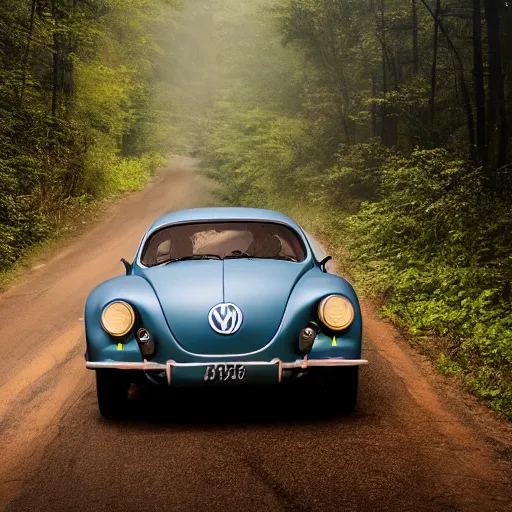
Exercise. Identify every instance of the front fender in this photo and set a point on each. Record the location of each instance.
(302, 308)
(137, 292)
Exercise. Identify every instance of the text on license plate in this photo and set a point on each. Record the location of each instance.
(225, 372)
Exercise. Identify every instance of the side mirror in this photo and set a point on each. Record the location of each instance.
(128, 266)
(324, 262)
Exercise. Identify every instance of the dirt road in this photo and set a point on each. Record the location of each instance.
(411, 445)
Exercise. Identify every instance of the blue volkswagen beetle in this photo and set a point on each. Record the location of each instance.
(224, 297)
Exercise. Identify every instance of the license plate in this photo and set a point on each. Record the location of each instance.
(225, 372)
(222, 374)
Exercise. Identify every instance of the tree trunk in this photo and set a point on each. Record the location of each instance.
(389, 124)
(374, 109)
(68, 68)
(497, 113)
(26, 54)
(479, 88)
(340, 79)
(384, 108)
(55, 60)
(415, 50)
(433, 73)
(463, 86)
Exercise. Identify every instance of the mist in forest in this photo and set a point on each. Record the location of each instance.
(222, 53)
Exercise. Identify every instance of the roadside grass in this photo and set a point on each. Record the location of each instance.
(131, 174)
(69, 225)
(72, 216)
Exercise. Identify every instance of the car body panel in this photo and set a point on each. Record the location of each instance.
(277, 299)
(301, 308)
(187, 290)
(224, 214)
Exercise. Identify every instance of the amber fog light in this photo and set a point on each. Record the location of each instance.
(336, 312)
(118, 318)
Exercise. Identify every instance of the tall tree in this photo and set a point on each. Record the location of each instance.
(470, 122)
(497, 125)
(415, 46)
(479, 87)
(433, 72)
(24, 61)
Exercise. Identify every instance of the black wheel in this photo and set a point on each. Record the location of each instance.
(348, 382)
(339, 386)
(112, 391)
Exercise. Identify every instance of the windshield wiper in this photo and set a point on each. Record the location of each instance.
(286, 258)
(283, 258)
(237, 254)
(195, 257)
(230, 256)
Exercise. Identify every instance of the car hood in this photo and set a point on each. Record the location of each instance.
(188, 290)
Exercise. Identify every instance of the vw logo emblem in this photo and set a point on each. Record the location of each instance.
(225, 318)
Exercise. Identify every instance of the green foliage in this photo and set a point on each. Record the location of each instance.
(446, 366)
(355, 176)
(438, 247)
(251, 166)
(129, 174)
(78, 117)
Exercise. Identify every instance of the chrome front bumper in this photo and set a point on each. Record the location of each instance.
(299, 363)
(167, 368)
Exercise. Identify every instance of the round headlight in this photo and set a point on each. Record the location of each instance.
(118, 318)
(336, 312)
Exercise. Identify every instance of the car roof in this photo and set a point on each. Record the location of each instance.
(223, 214)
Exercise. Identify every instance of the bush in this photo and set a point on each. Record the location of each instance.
(129, 174)
(22, 219)
(439, 249)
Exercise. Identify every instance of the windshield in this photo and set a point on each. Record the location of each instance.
(222, 240)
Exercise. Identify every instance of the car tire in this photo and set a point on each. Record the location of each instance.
(340, 386)
(112, 392)
(348, 382)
